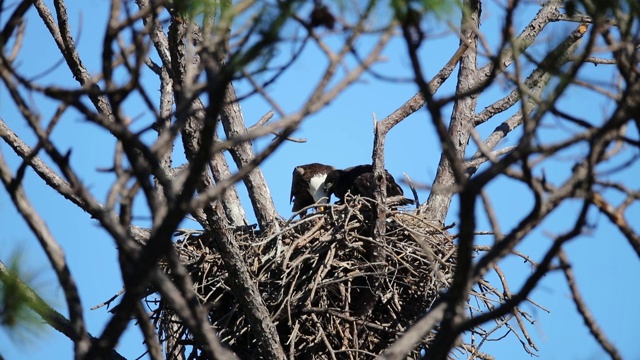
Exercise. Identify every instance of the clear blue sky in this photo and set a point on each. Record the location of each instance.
(340, 135)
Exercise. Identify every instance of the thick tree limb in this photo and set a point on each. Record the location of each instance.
(233, 123)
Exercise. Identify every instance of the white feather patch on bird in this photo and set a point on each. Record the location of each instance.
(316, 189)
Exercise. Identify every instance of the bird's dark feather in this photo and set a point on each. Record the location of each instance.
(358, 181)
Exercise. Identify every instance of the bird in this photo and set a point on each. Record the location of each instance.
(307, 186)
(357, 180)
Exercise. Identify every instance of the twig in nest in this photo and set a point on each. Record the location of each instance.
(413, 190)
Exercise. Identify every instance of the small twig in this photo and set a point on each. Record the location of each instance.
(478, 160)
(109, 301)
(595, 330)
(413, 190)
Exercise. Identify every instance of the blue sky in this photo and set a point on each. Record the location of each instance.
(341, 135)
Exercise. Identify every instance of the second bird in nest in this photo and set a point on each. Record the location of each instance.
(358, 180)
(315, 183)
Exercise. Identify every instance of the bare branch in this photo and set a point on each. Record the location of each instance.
(54, 253)
(595, 330)
(242, 153)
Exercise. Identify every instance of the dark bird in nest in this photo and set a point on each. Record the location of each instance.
(307, 186)
(358, 180)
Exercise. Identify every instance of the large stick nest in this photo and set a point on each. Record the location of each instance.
(332, 291)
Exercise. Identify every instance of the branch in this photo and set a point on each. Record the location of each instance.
(450, 171)
(545, 15)
(418, 100)
(14, 21)
(62, 36)
(242, 153)
(198, 136)
(49, 176)
(479, 159)
(54, 254)
(616, 217)
(148, 333)
(543, 267)
(595, 330)
(454, 139)
(192, 313)
(407, 342)
(245, 290)
(376, 254)
(57, 183)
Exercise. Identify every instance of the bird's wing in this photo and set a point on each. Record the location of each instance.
(295, 182)
(362, 185)
(393, 189)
